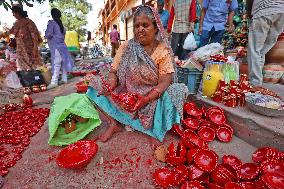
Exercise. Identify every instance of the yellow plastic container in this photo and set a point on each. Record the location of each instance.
(72, 41)
(211, 78)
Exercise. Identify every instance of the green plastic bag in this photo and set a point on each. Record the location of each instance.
(78, 104)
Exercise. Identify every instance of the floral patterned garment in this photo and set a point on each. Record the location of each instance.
(28, 39)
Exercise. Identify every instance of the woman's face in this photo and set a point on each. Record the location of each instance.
(144, 30)
(16, 15)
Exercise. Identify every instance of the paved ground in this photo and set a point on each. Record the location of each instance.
(126, 161)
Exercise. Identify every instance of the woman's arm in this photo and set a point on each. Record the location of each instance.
(164, 82)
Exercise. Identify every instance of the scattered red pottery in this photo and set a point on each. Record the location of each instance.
(216, 116)
(273, 180)
(177, 130)
(265, 153)
(228, 126)
(235, 162)
(27, 101)
(176, 156)
(190, 123)
(249, 171)
(35, 89)
(214, 186)
(191, 154)
(198, 142)
(233, 185)
(27, 90)
(248, 185)
(259, 184)
(194, 112)
(4, 172)
(206, 133)
(77, 155)
(194, 172)
(164, 177)
(206, 160)
(272, 167)
(224, 134)
(205, 123)
(180, 174)
(188, 105)
(192, 185)
(43, 87)
(224, 173)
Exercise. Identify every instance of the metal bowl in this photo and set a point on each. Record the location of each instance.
(265, 111)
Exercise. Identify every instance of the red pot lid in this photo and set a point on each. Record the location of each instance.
(191, 154)
(190, 123)
(194, 112)
(177, 130)
(248, 185)
(224, 134)
(229, 127)
(214, 186)
(233, 185)
(249, 171)
(192, 185)
(189, 133)
(194, 172)
(78, 154)
(263, 154)
(273, 180)
(163, 177)
(216, 117)
(198, 142)
(204, 123)
(180, 174)
(206, 133)
(188, 105)
(232, 160)
(173, 160)
(272, 167)
(206, 160)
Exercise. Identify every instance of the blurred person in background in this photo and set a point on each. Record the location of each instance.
(114, 39)
(60, 57)
(164, 14)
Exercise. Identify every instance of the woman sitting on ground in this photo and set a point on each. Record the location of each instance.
(143, 65)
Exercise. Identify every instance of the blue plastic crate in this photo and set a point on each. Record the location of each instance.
(190, 77)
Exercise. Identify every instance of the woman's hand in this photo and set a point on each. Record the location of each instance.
(142, 101)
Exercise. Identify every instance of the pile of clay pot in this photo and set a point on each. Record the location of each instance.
(17, 126)
(191, 165)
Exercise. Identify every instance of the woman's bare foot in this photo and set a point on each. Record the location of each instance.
(109, 132)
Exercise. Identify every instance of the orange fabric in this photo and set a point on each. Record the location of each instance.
(161, 57)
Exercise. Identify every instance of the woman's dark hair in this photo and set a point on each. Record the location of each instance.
(56, 15)
(148, 12)
(20, 11)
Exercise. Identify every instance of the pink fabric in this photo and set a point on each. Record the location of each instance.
(114, 36)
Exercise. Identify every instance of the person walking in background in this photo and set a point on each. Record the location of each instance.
(213, 19)
(164, 14)
(60, 57)
(114, 39)
(28, 40)
(266, 25)
(181, 22)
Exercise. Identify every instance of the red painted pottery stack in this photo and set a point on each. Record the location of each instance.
(190, 164)
(234, 94)
(16, 129)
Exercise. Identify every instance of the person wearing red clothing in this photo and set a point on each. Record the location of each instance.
(181, 22)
